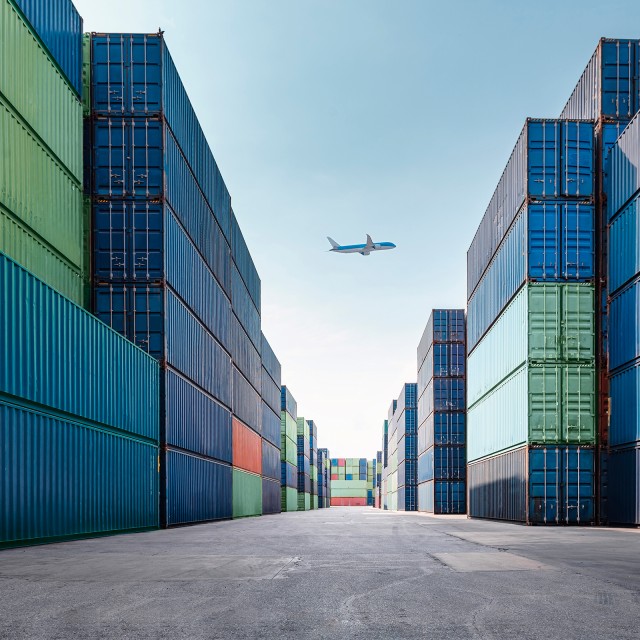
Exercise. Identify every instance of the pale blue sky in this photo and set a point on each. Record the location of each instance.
(346, 117)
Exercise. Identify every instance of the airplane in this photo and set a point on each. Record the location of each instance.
(363, 249)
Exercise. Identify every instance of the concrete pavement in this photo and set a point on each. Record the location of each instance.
(336, 573)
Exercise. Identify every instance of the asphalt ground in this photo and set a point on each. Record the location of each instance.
(334, 573)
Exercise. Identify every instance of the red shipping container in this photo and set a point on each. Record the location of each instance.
(348, 502)
(342, 462)
(334, 476)
(247, 448)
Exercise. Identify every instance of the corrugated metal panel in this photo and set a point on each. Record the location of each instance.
(244, 308)
(289, 426)
(270, 497)
(304, 501)
(245, 356)
(43, 354)
(195, 353)
(247, 404)
(551, 160)
(247, 448)
(270, 425)
(442, 496)
(624, 486)
(270, 392)
(151, 85)
(247, 494)
(28, 80)
(624, 408)
(64, 477)
(288, 449)
(624, 332)
(623, 168)
(194, 421)
(59, 27)
(39, 191)
(608, 87)
(624, 248)
(244, 262)
(197, 489)
(271, 364)
(445, 394)
(442, 463)
(289, 475)
(444, 325)
(270, 461)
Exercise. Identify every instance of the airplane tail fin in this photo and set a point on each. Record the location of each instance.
(334, 244)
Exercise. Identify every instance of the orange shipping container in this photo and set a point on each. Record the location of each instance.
(247, 448)
(348, 502)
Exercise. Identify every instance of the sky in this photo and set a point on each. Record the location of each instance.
(346, 117)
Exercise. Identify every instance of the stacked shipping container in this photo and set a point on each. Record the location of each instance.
(79, 448)
(405, 440)
(288, 451)
(41, 215)
(313, 464)
(324, 462)
(608, 93)
(530, 331)
(623, 193)
(304, 466)
(378, 489)
(351, 482)
(441, 413)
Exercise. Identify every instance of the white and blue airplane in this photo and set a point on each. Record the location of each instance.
(363, 249)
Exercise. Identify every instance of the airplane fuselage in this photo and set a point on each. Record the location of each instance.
(364, 249)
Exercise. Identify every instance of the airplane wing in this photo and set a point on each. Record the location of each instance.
(370, 246)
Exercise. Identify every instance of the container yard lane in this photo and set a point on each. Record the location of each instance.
(344, 572)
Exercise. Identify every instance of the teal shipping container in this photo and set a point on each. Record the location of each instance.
(79, 419)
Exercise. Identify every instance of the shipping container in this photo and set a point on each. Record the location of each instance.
(348, 502)
(442, 496)
(288, 499)
(271, 498)
(623, 179)
(196, 489)
(270, 462)
(58, 27)
(608, 88)
(624, 486)
(624, 242)
(45, 333)
(247, 494)
(270, 425)
(552, 160)
(536, 485)
(304, 501)
(624, 406)
(288, 403)
(442, 463)
(288, 475)
(272, 366)
(247, 448)
(65, 477)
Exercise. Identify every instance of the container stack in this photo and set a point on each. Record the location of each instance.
(530, 333)
(79, 447)
(392, 464)
(608, 92)
(378, 489)
(171, 271)
(288, 451)
(313, 464)
(623, 191)
(271, 398)
(304, 465)
(385, 467)
(441, 414)
(324, 470)
(404, 423)
(351, 484)
(41, 214)
(371, 482)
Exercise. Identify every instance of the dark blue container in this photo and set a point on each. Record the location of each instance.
(288, 475)
(623, 254)
(624, 486)
(624, 329)
(244, 262)
(450, 497)
(303, 446)
(348, 476)
(134, 75)
(270, 392)
(245, 356)
(58, 26)
(196, 489)
(303, 465)
(194, 421)
(624, 390)
(271, 497)
(270, 461)
(304, 482)
(288, 403)
(442, 463)
(244, 308)
(272, 365)
(247, 404)
(270, 425)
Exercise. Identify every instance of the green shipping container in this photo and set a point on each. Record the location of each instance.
(313, 473)
(289, 500)
(288, 426)
(348, 493)
(288, 450)
(37, 92)
(349, 484)
(303, 428)
(247, 494)
(304, 501)
(314, 504)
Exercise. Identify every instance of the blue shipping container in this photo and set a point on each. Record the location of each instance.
(624, 246)
(270, 461)
(270, 425)
(624, 329)
(63, 477)
(271, 502)
(288, 475)
(288, 403)
(624, 486)
(58, 25)
(624, 406)
(196, 489)
(552, 160)
(271, 364)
